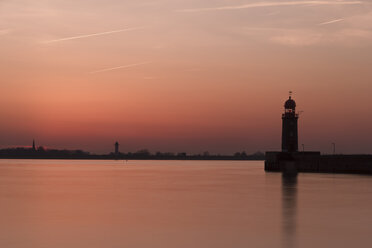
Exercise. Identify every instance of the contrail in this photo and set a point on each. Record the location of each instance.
(120, 67)
(271, 4)
(95, 34)
(329, 22)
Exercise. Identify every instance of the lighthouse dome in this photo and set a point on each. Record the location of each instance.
(290, 104)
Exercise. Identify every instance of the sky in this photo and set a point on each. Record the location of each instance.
(185, 76)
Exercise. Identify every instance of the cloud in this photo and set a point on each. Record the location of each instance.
(301, 38)
(330, 22)
(92, 35)
(120, 67)
(271, 4)
(311, 36)
(4, 31)
(273, 13)
(298, 38)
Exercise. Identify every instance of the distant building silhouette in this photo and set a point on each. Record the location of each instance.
(290, 129)
(116, 148)
(33, 145)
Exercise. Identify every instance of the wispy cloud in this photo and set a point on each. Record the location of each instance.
(311, 36)
(4, 31)
(271, 4)
(300, 38)
(121, 67)
(330, 22)
(92, 35)
(273, 13)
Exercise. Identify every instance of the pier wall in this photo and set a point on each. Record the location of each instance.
(315, 162)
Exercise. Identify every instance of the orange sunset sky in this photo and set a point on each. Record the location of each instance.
(185, 75)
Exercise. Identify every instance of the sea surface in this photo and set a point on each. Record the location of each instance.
(178, 204)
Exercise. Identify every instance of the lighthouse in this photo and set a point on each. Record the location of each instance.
(290, 128)
(116, 149)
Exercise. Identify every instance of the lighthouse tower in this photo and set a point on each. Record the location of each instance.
(116, 149)
(290, 130)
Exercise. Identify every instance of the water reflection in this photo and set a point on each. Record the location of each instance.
(289, 210)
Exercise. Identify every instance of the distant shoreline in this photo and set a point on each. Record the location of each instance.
(41, 153)
(121, 159)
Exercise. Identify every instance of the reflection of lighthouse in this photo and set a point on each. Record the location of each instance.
(289, 132)
(289, 210)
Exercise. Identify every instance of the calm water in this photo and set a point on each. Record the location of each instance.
(178, 204)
